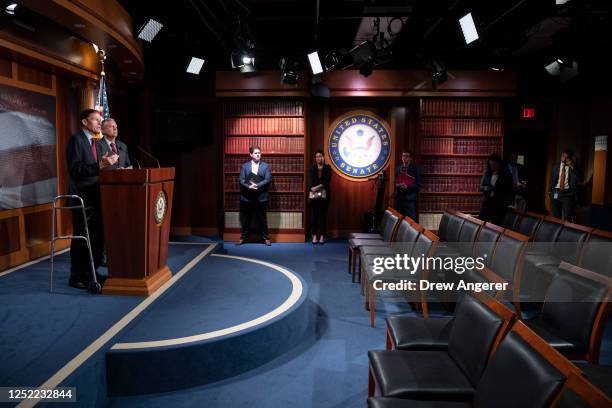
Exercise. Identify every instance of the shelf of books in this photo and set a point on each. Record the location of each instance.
(278, 128)
(456, 136)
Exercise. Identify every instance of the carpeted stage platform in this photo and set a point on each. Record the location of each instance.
(248, 326)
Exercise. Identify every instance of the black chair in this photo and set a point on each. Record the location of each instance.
(407, 233)
(524, 371)
(442, 227)
(528, 224)
(574, 312)
(390, 228)
(578, 392)
(425, 244)
(597, 253)
(599, 375)
(480, 324)
(381, 227)
(511, 218)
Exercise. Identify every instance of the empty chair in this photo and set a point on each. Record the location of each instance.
(540, 268)
(381, 227)
(599, 375)
(480, 324)
(425, 245)
(407, 234)
(441, 233)
(528, 224)
(579, 392)
(388, 233)
(524, 371)
(511, 218)
(597, 253)
(571, 319)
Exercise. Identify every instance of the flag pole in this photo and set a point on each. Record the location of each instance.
(99, 103)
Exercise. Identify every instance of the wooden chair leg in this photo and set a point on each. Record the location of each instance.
(372, 304)
(366, 294)
(424, 306)
(371, 383)
(355, 255)
(389, 342)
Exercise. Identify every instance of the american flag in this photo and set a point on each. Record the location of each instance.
(102, 99)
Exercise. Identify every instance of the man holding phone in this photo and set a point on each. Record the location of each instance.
(564, 180)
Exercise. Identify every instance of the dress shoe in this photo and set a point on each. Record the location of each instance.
(77, 284)
(240, 242)
(268, 243)
(314, 241)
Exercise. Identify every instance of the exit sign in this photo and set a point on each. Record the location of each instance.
(528, 113)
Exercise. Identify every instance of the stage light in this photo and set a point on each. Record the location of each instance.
(95, 47)
(149, 30)
(243, 60)
(247, 60)
(195, 65)
(289, 71)
(554, 68)
(438, 72)
(10, 9)
(468, 28)
(315, 63)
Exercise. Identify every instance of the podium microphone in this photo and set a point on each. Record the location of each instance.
(150, 155)
(130, 156)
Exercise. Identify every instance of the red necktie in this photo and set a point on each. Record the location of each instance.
(94, 152)
(113, 148)
(562, 179)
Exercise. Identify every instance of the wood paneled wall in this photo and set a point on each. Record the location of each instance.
(25, 232)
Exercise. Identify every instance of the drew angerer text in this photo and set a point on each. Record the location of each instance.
(425, 285)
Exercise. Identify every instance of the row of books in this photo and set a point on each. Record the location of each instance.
(277, 164)
(449, 145)
(461, 107)
(279, 183)
(264, 126)
(276, 220)
(441, 203)
(237, 145)
(450, 184)
(278, 202)
(462, 127)
(278, 108)
(461, 165)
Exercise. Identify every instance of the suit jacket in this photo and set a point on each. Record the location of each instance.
(261, 194)
(315, 180)
(83, 169)
(412, 191)
(503, 189)
(573, 177)
(122, 151)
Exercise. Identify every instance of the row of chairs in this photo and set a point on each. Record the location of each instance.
(573, 327)
(484, 356)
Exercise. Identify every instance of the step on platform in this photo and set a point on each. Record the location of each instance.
(227, 316)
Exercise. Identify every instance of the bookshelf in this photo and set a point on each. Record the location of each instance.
(455, 138)
(278, 127)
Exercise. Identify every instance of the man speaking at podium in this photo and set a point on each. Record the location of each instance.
(110, 145)
(85, 160)
(255, 178)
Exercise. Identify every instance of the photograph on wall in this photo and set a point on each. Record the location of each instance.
(28, 174)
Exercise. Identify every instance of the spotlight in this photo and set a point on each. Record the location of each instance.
(564, 68)
(289, 75)
(438, 73)
(554, 68)
(195, 65)
(363, 57)
(315, 63)
(332, 60)
(243, 60)
(10, 9)
(468, 28)
(95, 47)
(149, 30)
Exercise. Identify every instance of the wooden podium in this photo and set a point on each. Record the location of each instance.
(136, 208)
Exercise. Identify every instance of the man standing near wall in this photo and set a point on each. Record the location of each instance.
(564, 180)
(255, 179)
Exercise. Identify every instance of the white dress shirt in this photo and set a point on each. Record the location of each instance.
(254, 167)
(567, 170)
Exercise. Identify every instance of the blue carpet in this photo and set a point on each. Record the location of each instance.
(40, 331)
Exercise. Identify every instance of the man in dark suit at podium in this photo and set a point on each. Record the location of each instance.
(111, 145)
(85, 159)
(255, 178)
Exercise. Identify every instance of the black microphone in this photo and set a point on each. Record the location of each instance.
(130, 156)
(150, 155)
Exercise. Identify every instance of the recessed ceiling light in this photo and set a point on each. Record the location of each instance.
(10, 9)
(149, 30)
(468, 28)
(195, 65)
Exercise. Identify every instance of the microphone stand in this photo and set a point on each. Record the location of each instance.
(149, 155)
